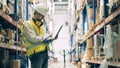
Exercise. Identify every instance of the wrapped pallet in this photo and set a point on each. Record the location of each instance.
(116, 41)
(116, 37)
(96, 46)
(104, 64)
(108, 45)
(98, 43)
(111, 45)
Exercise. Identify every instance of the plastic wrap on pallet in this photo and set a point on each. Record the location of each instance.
(97, 43)
(116, 41)
(104, 64)
(108, 45)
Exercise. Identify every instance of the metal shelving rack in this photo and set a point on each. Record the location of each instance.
(100, 26)
(7, 18)
(107, 20)
(12, 47)
(15, 23)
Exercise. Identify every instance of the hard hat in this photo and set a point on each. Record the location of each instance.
(41, 8)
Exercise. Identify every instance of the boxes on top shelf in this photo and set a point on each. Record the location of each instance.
(4, 2)
(4, 7)
(113, 5)
(10, 5)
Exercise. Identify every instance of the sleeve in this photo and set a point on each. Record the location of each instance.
(31, 35)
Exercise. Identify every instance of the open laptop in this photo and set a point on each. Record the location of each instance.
(57, 33)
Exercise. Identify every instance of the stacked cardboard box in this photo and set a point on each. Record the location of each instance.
(15, 64)
(89, 49)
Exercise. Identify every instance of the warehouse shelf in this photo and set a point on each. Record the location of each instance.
(116, 64)
(9, 19)
(12, 47)
(100, 26)
(15, 23)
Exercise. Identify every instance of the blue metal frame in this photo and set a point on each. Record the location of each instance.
(105, 14)
(94, 8)
(16, 12)
(105, 8)
(83, 22)
(71, 44)
(15, 7)
(87, 14)
(27, 12)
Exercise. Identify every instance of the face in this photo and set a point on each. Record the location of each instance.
(38, 19)
(39, 16)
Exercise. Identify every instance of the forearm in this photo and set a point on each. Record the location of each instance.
(32, 37)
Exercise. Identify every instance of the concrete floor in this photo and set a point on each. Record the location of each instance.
(61, 64)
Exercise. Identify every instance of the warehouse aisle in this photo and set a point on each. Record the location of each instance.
(60, 64)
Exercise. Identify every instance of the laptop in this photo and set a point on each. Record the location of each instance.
(55, 34)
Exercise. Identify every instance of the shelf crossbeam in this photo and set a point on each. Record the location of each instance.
(12, 47)
(116, 64)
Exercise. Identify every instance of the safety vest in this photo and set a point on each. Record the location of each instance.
(34, 47)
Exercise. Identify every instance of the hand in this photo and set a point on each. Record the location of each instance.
(48, 40)
(47, 36)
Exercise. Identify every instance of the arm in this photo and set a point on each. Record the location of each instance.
(31, 35)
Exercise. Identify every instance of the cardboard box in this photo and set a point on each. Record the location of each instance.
(90, 53)
(15, 63)
(90, 43)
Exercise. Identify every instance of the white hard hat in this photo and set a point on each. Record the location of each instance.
(41, 8)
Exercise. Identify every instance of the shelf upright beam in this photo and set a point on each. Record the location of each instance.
(83, 23)
(15, 7)
(105, 15)
(27, 17)
(87, 15)
(27, 12)
(105, 8)
(16, 12)
(94, 8)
